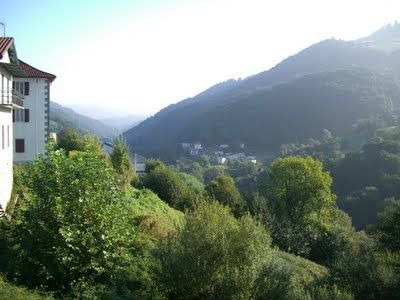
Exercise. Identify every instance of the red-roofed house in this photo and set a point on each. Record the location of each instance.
(31, 125)
(24, 113)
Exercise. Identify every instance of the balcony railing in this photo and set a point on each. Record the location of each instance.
(11, 97)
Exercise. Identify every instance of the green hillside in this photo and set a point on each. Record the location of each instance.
(63, 117)
(328, 85)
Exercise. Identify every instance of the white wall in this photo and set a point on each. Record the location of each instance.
(6, 156)
(34, 132)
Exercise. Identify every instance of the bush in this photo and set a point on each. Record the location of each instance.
(213, 256)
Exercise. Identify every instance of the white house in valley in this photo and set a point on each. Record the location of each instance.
(31, 124)
(9, 100)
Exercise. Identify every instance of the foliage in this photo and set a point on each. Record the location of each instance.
(122, 163)
(170, 187)
(153, 216)
(371, 274)
(377, 165)
(193, 183)
(74, 229)
(304, 217)
(9, 291)
(213, 256)
(298, 189)
(327, 150)
(223, 190)
(286, 276)
(212, 173)
(387, 228)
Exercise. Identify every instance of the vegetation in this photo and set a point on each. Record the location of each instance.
(62, 117)
(79, 231)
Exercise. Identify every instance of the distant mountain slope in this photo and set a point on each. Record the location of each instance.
(123, 123)
(62, 117)
(218, 114)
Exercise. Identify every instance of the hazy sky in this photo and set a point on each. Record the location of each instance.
(135, 57)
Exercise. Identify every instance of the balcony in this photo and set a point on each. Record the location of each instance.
(9, 97)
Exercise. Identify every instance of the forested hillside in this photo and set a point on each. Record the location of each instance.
(328, 85)
(62, 117)
(86, 227)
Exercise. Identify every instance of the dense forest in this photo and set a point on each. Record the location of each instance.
(83, 225)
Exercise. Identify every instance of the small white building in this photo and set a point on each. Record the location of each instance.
(198, 146)
(223, 146)
(219, 153)
(9, 101)
(221, 160)
(31, 124)
(186, 145)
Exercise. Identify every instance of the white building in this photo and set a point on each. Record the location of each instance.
(31, 124)
(198, 146)
(9, 100)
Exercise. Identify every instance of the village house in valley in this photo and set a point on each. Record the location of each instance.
(31, 124)
(24, 113)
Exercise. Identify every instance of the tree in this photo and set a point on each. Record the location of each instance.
(170, 187)
(213, 256)
(122, 163)
(223, 190)
(304, 217)
(75, 229)
(69, 140)
(298, 188)
(387, 228)
(212, 173)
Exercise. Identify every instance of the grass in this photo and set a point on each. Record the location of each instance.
(153, 216)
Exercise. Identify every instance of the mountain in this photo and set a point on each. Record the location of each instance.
(62, 117)
(123, 123)
(328, 85)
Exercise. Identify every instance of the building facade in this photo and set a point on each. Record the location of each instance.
(31, 124)
(9, 101)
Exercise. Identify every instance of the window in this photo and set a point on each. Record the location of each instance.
(19, 145)
(19, 87)
(20, 115)
(8, 136)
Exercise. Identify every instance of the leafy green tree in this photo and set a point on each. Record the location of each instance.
(212, 173)
(304, 217)
(298, 189)
(152, 164)
(214, 256)
(69, 139)
(170, 187)
(122, 163)
(75, 229)
(223, 190)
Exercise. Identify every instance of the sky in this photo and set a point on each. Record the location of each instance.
(121, 57)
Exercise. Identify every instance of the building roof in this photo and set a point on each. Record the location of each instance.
(33, 72)
(13, 69)
(5, 43)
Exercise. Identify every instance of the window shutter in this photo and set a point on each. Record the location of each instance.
(26, 89)
(26, 115)
(19, 145)
(13, 85)
(13, 115)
